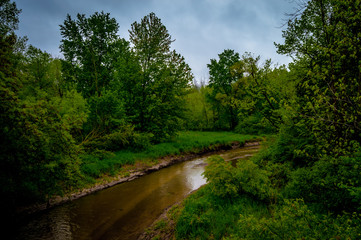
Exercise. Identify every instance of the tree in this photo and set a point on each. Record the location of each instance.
(38, 155)
(221, 81)
(325, 41)
(88, 45)
(9, 20)
(163, 82)
(199, 114)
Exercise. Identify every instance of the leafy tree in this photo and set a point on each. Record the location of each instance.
(324, 127)
(38, 155)
(325, 41)
(199, 114)
(9, 19)
(163, 82)
(266, 91)
(88, 44)
(221, 80)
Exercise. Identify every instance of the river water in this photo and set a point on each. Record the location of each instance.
(125, 210)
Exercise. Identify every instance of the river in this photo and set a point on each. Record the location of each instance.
(125, 210)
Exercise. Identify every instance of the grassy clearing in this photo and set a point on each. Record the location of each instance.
(99, 165)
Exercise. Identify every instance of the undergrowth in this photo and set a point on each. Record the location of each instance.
(100, 162)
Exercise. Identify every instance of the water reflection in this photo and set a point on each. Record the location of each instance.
(125, 210)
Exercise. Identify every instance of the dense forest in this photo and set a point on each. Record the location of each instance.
(306, 183)
(59, 116)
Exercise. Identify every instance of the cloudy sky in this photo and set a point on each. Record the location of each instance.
(202, 28)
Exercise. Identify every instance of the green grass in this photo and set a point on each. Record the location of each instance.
(208, 217)
(95, 166)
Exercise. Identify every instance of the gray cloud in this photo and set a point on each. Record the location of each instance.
(202, 28)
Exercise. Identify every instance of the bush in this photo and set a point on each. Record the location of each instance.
(140, 141)
(221, 177)
(332, 183)
(124, 138)
(206, 216)
(229, 182)
(254, 124)
(294, 220)
(254, 181)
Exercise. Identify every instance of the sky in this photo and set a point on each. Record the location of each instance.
(202, 29)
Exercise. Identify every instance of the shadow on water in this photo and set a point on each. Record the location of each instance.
(125, 210)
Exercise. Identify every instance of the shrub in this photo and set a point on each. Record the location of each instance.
(124, 138)
(228, 182)
(294, 220)
(206, 216)
(332, 183)
(221, 177)
(254, 181)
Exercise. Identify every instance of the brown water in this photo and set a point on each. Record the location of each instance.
(125, 210)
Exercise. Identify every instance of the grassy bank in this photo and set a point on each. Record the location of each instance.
(204, 216)
(104, 164)
(244, 202)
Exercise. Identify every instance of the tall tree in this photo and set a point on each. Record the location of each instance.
(9, 20)
(164, 79)
(38, 156)
(325, 39)
(221, 81)
(88, 44)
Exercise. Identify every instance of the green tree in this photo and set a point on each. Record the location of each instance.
(222, 80)
(164, 79)
(88, 45)
(324, 130)
(325, 40)
(9, 20)
(38, 155)
(264, 92)
(199, 110)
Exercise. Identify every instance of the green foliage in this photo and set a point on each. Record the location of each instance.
(331, 183)
(9, 42)
(221, 177)
(38, 66)
(164, 79)
(88, 46)
(124, 138)
(248, 97)
(325, 40)
(315, 107)
(254, 124)
(9, 17)
(93, 166)
(39, 156)
(106, 113)
(254, 181)
(226, 181)
(222, 78)
(293, 220)
(136, 147)
(206, 217)
(73, 111)
(199, 114)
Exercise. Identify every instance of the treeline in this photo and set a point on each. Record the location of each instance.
(242, 95)
(106, 94)
(306, 183)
